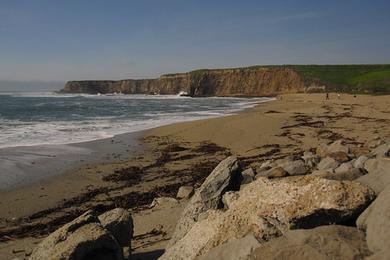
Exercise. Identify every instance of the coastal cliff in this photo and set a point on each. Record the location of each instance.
(250, 81)
(225, 82)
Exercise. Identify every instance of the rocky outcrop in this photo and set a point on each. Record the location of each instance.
(326, 242)
(269, 208)
(261, 81)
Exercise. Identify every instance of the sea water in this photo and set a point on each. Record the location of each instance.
(29, 119)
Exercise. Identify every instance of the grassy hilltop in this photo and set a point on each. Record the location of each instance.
(373, 79)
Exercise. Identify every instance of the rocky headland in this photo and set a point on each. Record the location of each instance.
(249, 81)
(228, 82)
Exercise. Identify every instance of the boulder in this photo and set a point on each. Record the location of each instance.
(326, 242)
(359, 162)
(269, 208)
(248, 176)
(344, 167)
(381, 151)
(120, 224)
(375, 221)
(185, 192)
(276, 172)
(327, 163)
(296, 167)
(225, 177)
(338, 146)
(235, 249)
(339, 156)
(83, 238)
(378, 176)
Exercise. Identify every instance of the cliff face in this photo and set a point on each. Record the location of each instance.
(264, 81)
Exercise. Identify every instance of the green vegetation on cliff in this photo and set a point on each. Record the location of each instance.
(374, 79)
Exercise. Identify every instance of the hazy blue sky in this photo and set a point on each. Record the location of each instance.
(100, 39)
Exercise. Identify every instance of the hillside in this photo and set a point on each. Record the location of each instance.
(251, 81)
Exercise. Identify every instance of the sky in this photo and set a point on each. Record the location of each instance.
(56, 41)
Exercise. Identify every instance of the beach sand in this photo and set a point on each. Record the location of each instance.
(184, 153)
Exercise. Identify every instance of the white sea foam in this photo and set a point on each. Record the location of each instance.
(80, 128)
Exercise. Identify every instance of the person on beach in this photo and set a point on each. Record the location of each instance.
(338, 95)
(327, 96)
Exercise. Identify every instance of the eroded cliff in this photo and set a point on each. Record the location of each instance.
(262, 81)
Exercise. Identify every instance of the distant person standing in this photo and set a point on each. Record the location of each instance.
(338, 95)
(327, 96)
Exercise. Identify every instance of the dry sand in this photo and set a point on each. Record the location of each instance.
(178, 154)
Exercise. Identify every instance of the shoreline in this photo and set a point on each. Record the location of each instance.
(28, 165)
(24, 163)
(184, 153)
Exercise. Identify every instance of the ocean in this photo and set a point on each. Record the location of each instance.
(29, 119)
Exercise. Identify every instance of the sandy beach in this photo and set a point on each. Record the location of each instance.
(173, 155)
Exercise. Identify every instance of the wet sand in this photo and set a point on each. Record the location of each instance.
(24, 165)
(185, 153)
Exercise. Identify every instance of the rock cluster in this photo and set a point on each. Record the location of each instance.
(89, 237)
(291, 208)
(331, 202)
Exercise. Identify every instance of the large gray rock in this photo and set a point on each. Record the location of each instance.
(328, 163)
(375, 221)
(225, 177)
(120, 224)
(235, 249)
(269, 208)
(83, 238)
(296, 167)
(326, 242)
(378, 176)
